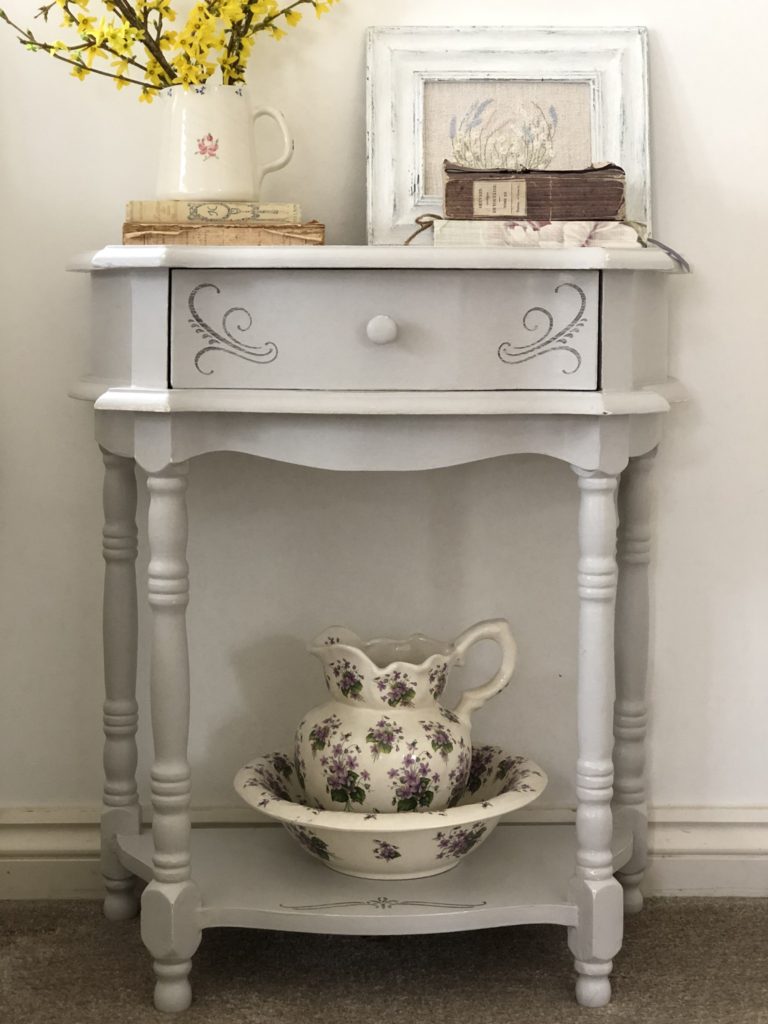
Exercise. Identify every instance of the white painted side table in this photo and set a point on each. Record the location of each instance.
(380, 358)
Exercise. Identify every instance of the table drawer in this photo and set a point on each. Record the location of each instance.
(414, 330)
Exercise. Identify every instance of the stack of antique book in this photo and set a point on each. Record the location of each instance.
(535, 208)
(194, 222)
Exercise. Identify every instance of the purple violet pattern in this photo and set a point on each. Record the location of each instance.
(440, 738)
(384, 737)
(270, 779)
(397, 689)
(348, 679)
(310, 841)
(299, 762)
(438, 676)
(458, 778)
(516, 775)
(282, 765)
(383, 850)
(344, 780)
(460, 840)
(449, 715)
(415, 782)
(320, 734)
(482, 762)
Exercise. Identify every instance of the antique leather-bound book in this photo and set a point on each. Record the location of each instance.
(594, 193)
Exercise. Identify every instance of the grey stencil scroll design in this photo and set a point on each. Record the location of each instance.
(224, 340)
(551, 340)
(385, 903)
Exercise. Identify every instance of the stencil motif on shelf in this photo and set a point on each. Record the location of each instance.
(385, 903)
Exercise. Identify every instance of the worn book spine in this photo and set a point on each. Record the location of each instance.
(311, 233)
(177, 211)
(592, 194)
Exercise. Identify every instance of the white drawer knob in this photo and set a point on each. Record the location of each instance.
(381, 330)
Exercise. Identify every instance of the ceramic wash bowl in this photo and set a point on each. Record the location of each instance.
(394, 845)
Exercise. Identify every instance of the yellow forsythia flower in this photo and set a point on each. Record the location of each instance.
(129, 40)
(231, 11)
(85, 26)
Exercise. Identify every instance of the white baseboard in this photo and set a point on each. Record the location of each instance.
(52, 853)
(707, 851)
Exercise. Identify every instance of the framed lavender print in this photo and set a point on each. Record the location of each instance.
(499, 97)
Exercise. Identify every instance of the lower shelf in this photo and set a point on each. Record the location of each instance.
(260, 878)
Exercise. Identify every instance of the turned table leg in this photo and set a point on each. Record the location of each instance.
(170, 903)
(596, 939)
(631, 716)
(121, 812)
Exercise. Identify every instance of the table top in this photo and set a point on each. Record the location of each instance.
(136, 257)
(647, 400)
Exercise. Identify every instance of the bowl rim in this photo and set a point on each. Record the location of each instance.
(287, 812)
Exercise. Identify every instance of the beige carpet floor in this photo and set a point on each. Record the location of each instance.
(685, 961)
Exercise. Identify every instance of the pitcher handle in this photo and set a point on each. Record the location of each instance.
(491, 629)
(282, 160)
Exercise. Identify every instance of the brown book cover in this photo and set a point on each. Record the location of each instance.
(311, 233)
(594, 193)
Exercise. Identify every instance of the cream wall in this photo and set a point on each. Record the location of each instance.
(277, 552)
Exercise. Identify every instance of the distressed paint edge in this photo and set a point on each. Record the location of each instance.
(385, 41)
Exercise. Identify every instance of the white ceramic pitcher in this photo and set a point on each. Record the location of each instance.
(384, 742)
(208, 148)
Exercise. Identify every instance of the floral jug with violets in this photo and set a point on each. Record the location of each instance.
(384, 742)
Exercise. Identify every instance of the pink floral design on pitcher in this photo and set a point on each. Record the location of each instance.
(208, 147)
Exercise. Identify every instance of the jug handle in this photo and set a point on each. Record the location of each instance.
(490, 629)
(287, 153)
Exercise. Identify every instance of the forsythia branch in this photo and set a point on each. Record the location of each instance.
(217, 36)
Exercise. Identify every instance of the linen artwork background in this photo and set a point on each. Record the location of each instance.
(492, 122)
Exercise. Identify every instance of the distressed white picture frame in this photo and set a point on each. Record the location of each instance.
(613, 61)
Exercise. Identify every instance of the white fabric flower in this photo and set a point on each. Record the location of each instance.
(522, 233)
(609, 234)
